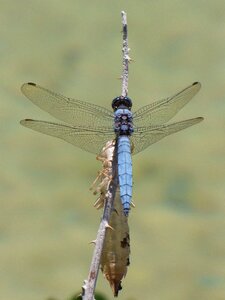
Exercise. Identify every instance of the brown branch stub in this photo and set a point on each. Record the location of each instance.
(126, 58)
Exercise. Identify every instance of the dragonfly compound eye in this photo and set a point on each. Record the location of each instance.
(122, 102)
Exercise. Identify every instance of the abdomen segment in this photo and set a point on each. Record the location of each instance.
(125, 172)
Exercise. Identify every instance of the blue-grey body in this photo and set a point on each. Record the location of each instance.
(123, 128)
(125, 172)
(89, 126)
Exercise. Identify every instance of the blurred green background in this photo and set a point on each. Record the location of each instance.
(47, 216)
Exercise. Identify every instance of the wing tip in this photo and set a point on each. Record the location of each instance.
(195, 120)
(24, 121)
(197, 83)
(24, 86)
(200, 119)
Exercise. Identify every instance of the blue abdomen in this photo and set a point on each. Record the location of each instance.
(125, 172)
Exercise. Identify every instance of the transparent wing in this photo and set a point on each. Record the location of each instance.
(146, 136)
(91, 140)
(71, 111)
(162, 111)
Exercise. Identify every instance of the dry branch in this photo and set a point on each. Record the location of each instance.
(89, 285)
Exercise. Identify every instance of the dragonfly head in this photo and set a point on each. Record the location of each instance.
(121, 102)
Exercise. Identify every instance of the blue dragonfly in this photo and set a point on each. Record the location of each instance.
(91, 126)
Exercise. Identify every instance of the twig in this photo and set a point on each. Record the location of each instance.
(126, 57)
(89, 285)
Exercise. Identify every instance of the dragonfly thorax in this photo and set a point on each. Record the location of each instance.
(123, 124)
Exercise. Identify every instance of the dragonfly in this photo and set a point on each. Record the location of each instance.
(89, 126)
